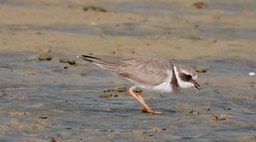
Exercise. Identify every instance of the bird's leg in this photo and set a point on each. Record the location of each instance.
(148, 109)
(136, 97)
(145, 107)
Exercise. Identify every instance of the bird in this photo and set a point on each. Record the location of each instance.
(146, 73)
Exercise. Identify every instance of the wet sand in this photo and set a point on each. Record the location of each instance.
(49, 95)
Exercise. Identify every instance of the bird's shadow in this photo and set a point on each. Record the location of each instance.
(165, 111)
(127, 110)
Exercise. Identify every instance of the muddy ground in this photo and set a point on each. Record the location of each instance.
(47, 94)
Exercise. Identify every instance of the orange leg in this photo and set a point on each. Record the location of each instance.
(145, 107)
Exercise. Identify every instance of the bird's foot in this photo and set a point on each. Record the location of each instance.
(152, 112)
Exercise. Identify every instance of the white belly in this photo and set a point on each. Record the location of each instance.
(166, 86)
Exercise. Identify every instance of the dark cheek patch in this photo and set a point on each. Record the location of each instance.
(182, 77)
(185, 77)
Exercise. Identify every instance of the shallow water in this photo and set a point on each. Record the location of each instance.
(44, 99)
(70, 103)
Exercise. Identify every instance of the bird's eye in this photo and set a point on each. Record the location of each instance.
(188, 77)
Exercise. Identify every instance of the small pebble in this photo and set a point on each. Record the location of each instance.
(54, 139)
(43, 117)
(227, 108)
(194, 112)
(200, 69)
(45, 56)
(218, 118)
(94, 8)
(199, 5)
(69, 61)
(108, 96)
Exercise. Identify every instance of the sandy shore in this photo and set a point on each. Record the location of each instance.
(50, 100)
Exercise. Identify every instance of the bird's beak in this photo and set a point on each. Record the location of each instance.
(197, 85)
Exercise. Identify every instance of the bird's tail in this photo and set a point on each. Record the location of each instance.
(90, 59)
(102, 62)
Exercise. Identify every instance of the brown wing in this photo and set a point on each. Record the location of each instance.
(150, 71)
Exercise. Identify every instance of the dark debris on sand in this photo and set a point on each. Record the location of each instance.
(200, 69)
(119, 89)
(69, 61)
(108, 96)
(45, 56)
(199, 5)
(218, 117)
(94, 8)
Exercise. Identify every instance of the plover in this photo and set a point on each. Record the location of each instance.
(149, 73)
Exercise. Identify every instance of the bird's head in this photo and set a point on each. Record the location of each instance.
(186, 76)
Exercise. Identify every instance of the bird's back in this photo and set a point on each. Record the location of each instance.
(149, 71)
